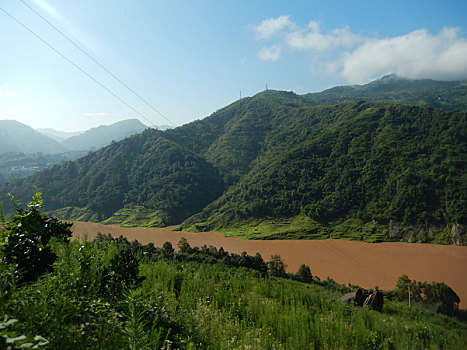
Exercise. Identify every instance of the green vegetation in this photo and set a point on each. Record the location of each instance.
(397, 90)
(280, 165)
(115, 294)
(369, 167)
(144, 173)
(17, 165)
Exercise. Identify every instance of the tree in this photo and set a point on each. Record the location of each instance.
(184, 246)
(121, 274)
(167, 248)
(304, 274)
(277, 266)
(25, 242)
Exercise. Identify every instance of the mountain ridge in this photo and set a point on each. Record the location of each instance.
(277, 165)
(18, 137)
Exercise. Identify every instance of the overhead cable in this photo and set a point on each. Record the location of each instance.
(75, 65)
(97, 62)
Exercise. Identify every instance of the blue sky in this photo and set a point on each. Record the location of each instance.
(190, 58)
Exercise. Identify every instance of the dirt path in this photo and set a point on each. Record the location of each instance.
(365, 264)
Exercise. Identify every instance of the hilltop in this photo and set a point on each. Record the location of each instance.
(103, 135)
(394, 89)
(18, 137)
(281, 165)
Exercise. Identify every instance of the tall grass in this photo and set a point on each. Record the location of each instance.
(192, 305)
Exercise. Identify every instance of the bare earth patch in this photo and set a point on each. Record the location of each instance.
(365, 264)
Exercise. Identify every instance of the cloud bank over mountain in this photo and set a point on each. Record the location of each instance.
(359, 58)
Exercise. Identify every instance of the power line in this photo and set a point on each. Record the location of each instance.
(76, 66)
(97, 62)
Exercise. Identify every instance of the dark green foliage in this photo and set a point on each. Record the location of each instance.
(359, 170)
(25, 242)
(168, 249)
(121, 274)
(434, 293)
(11, 340)
(277, 266)
(304, 274)
(374, 163)
(185, 304)
(145, 173)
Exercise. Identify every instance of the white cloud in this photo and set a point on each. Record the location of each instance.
(418, 54)
(94, 114)
(312, 38)
(7, 93)
(267, 28)
(272, 53)
(358, 59)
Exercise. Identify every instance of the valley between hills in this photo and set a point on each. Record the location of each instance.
(248, 229)
(378, 162)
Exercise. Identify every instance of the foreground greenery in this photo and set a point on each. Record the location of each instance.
(113, 294)
(280, 165)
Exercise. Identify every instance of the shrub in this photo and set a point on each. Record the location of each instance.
(25, 242)
(121, 273)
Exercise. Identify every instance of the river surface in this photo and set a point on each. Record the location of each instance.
(364, 264)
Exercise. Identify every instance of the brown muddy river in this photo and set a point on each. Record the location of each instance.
(365, 264)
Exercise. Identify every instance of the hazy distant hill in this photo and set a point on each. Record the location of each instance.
(17, 137)
(59, 136)
(278, 165)
(103, 135)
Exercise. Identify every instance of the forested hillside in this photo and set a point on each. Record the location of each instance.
(387, 165)
(144, 175)
(277, 165)
(394, 89)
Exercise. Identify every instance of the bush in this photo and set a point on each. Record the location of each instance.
(121, 273)
(277, 266)
(304, 274)
(25, 242)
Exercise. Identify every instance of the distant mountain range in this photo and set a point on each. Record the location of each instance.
(103, 135)
(17, 137)
(281, 165)
(24, 151)
(58, 136)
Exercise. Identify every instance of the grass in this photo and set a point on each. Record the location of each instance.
(185, 304)
(137, 217)
(302, 227)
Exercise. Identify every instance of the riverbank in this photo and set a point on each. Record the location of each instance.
(365, 264)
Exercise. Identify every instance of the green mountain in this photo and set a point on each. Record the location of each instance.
(280, 165)
(24, 151)
(144, 177)
(355, 170)
(17, 137)
(394, 89)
